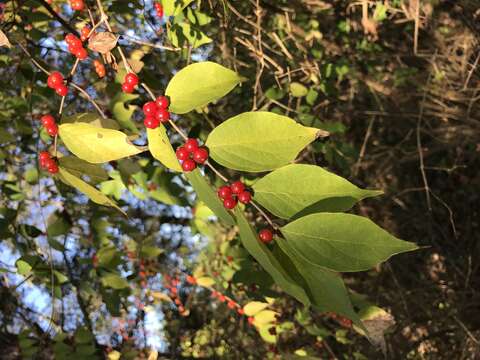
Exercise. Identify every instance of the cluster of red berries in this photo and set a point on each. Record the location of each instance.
(99, 68)
(55, 81)
(46, 162)
(48, 122)
(191, 154)
(234, 193)
(77, 5)
(159, 9)
(142, 274)
(171, 284)
(75, 46)
(129, 83)
(156, 112)
(85, 33)
(266, 235)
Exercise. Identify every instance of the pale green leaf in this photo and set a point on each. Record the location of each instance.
(298, 90)
(114, 281)
(259, 141)
(206, 194)
(79, 168)
(161, 149)
(254, 307)
(267, 260)
(96, 145)
(265, 317)
(93, 194)
(199, 84)
(299, 189)
(23, 268)
(342, 242)
(122, 111)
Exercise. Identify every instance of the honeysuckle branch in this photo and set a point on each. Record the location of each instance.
(70, 83)
(57, 17)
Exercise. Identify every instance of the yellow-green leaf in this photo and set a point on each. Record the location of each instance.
(96, 145)
(265, 317)
(199, 84)
(93, 194)
(259, 141)
(161, 149)
(205, 281)
(254, 307)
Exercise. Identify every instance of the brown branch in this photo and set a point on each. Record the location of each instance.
(57, 17)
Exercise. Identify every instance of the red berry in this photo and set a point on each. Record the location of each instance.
(163, 115)
(240, 311)
(52, 130)
(131, 79)
(150, 122)
(251, 320)
(159, 9)
(182, 153)
(81, 53)
(189, 165)
(191, 145)
(200, 155)
(44, 158)
(231, 304)
(84, 33)
(162, 102)
(191, 280)
(47, 120)
(62, 90)
(54, 79)
(127, 88)
(224, 192)
(52, 167)
(265, 235)
(237, 187)
(77, 5)
(150, 108)
(73, 42)
(229, 203)
(245, 197)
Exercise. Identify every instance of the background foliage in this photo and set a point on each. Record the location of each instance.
(394, 82)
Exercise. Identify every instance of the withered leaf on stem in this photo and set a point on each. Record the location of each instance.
(102, 42)
(4, 40)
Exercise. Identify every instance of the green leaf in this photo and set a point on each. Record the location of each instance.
(205, 281)
(254, 307)
(206, 194)
(151, 251)
(174, 7)
(79, 168)
(267, 260)
(342, 242)
(297, 189)
(106, 256)
(96, 145)
(62, 279)
(114, 187)
(258, 141)
(114, 281)
(93, 194)
(199, 84)
(161, 149)
(298, 90)
(325, 288)
(23, 268)
(122, 111)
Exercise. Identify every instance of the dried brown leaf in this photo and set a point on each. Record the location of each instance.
(4, 40)
(102, 42)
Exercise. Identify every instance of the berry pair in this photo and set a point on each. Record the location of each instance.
(191, 154)
(266, 236)
(234, 193)
(48, 122)
(99, 68)
(55, 81)
(47, 162)
(77, 5)
(85, 33)
(156, 112)
(75, 46)
(159, 9)
(129, 83)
